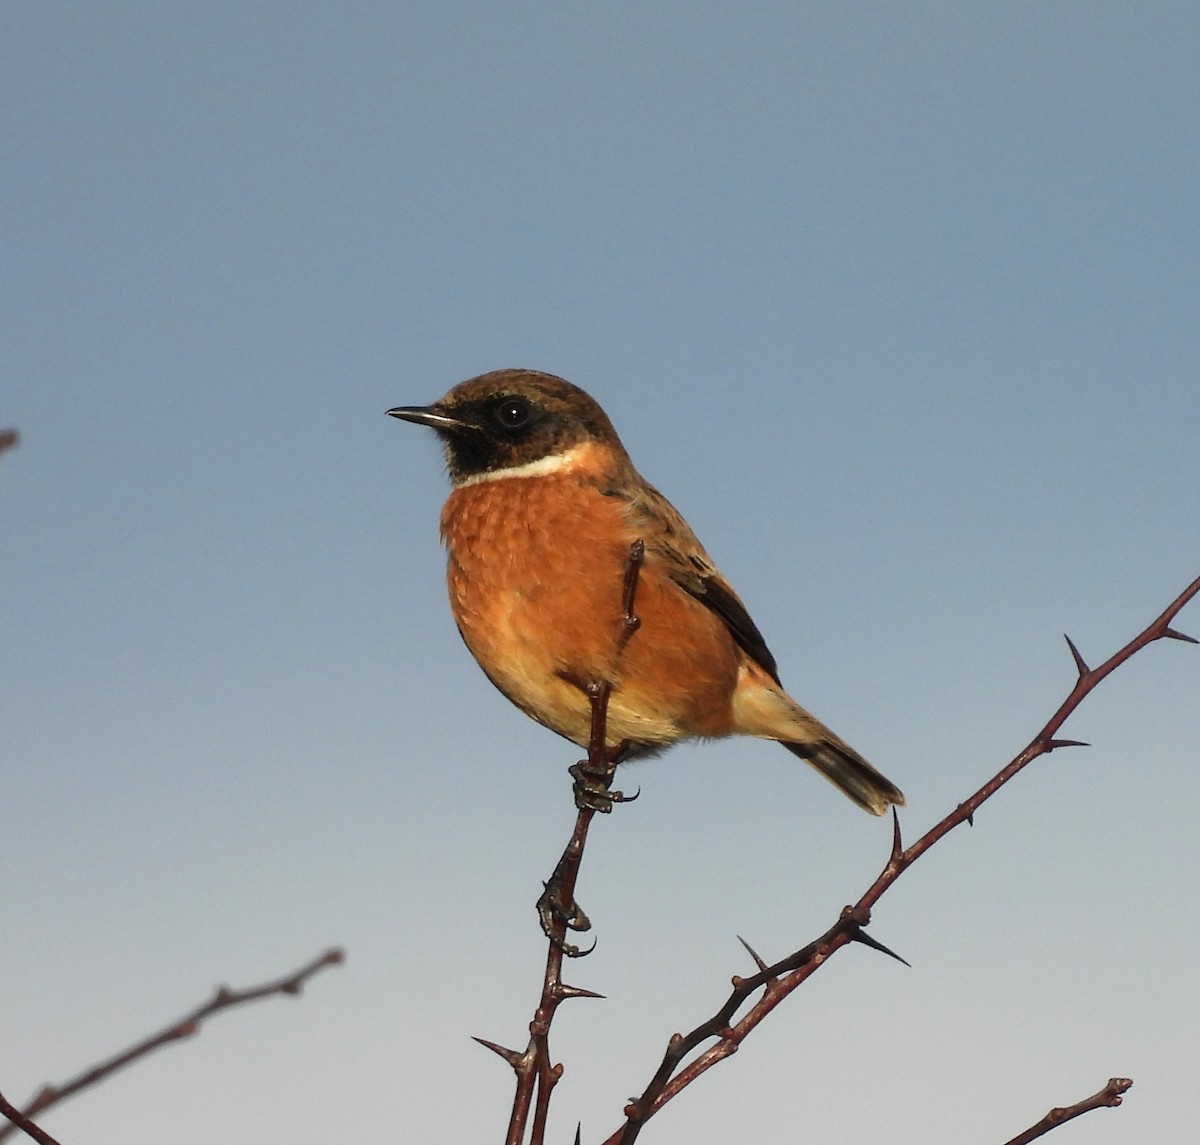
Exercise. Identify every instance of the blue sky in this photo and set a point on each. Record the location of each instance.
(896, 302)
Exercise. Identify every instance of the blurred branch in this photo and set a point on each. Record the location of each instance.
(185, 1027)
(777, 981)
(8, 439)
(1108, 1098)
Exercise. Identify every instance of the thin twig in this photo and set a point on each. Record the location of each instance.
(21, 1121)
(536, 1076)
(1108, 1098)
(779, 980)
(185, 1027)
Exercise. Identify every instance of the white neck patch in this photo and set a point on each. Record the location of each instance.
(542, 467)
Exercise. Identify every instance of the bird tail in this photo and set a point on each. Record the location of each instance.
(850, 773)
(762, 708)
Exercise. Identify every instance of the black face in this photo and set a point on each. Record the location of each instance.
(510, 418)
(505, 430)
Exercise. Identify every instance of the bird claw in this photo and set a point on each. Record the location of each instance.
(592, 791)
(552, 912)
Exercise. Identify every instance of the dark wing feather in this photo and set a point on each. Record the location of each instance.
(715, 594)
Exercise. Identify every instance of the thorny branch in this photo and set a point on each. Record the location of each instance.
(536, 1076)
(777, 981)
(185, 1027)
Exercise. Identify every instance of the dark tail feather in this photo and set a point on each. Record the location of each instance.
(848, 771)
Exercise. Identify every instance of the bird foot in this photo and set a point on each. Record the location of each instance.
(592, 786)
(554, 913)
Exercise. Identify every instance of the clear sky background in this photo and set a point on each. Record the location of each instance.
(898, 303)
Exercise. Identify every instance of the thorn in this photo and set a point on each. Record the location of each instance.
(578, 1132)
(1171, 634)
(897, 845)
(1080, 663)
(753, 953)
(1051, 744)
(565, 991)
(511, 1056)
(860, 935)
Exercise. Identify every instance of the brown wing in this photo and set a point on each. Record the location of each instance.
(669, 537)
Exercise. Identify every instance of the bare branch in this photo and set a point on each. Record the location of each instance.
(1108, 1098)
(779, 980)
(185, 1027)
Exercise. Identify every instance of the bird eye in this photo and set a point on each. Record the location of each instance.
(513, 413)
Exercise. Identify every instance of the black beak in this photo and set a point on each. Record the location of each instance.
(430, 416)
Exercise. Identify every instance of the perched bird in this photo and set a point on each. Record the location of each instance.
(538, 526)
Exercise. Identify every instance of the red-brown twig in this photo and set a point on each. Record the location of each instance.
(536, 1075)
(8, 438)
(779, 980)
(185, 1027)
(22, 1122)
(1108, 1098)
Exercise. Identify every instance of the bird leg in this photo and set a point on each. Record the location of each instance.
(593, 776)
(557, 908)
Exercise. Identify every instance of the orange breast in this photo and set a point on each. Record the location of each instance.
(536, 570)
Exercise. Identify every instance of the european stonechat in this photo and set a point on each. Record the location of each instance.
(544, 507)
